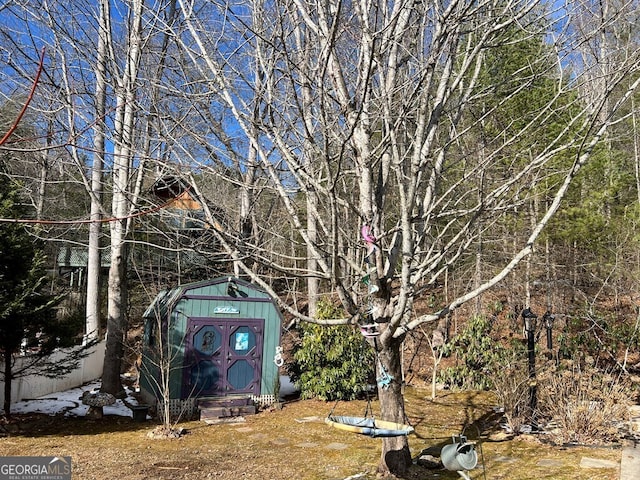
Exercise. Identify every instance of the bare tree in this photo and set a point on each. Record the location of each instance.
(91, 102)
(122, 203)
(368, 112)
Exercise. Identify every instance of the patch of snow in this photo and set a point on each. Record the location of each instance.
(287, 387)
(68, 403)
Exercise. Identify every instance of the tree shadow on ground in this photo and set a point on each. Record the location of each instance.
(41, 425)
(478, 424)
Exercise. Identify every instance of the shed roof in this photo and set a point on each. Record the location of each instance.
(164, 302)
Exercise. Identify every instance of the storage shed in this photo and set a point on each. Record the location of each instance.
(219, 338)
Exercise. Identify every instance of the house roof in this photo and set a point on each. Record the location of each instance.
(188, 200)
(170, 186)
(75, 257)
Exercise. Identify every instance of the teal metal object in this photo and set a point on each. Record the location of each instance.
(459, 456)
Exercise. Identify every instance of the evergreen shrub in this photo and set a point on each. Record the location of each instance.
(331, 362)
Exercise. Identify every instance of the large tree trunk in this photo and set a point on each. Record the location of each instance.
(396, 457)
(92, 328)
(116, 321)
(121, 201)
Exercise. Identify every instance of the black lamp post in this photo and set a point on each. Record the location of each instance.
(530, 319)
(548, 319)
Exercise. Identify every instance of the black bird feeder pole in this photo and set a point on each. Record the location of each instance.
(548, 319)
(529, 318)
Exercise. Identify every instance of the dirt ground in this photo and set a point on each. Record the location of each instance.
(295, 443)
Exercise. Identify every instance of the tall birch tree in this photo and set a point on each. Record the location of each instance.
(94, 257)
(89, 95)
(121, 203)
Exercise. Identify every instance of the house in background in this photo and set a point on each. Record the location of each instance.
(72, 264)
(221, 337)
(183, 208)
(177, 240)
(175, 207)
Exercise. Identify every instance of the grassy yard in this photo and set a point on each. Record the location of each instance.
(295, 443)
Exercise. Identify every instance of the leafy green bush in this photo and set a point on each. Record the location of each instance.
(331, 362)
(477, 354)
(590, 333)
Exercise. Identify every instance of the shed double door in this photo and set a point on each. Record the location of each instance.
(223, 357)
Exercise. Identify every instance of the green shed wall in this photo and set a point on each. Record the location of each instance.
(199, 301)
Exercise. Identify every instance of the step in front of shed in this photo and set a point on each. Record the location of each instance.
(217, 409)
